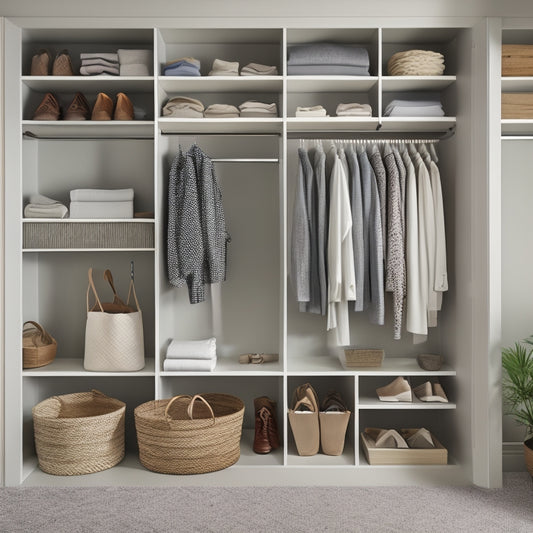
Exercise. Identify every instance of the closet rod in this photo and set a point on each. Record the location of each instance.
(247, 160)
(374, 141)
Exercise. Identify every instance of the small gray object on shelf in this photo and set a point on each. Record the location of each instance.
(428, 361)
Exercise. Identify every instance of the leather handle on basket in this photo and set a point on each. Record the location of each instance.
(91, 286)
(109, 278)
(45, 336)
(190, 406)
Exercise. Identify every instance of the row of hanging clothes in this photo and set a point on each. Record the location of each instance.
(368, 218)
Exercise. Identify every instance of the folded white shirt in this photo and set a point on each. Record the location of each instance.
(101, 209)
(178, 365)
(101, 195)
(202, 349)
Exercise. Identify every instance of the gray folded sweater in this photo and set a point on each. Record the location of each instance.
(328, 54)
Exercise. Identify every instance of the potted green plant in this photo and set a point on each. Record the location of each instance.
(517, 362)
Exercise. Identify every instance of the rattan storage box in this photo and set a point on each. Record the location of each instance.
(70, 234)
(404, 456)
(517, 60)
(363, 357)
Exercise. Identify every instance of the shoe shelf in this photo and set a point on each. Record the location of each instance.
(73, 367)
(137, 84)
(374, 403)
(318, 84)
(126, 129)
(231, 367)
(221, 125)
(347, 458)
(221, 84)
(416, 83)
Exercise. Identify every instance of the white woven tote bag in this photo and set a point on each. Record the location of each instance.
(114, 340)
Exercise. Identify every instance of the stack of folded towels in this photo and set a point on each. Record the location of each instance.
(416, 63)
(183, 107)
(313, 111)
(183, 66)
(254, 109)
(101, 203)
(221, 111)
(414, 108)
(191, 355)
(256, 69)
(93, 64)
(43, 207)
(328, 58)
(134, 62)
(354, 110)
(224, 68)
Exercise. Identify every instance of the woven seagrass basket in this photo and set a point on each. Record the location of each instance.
(38, 346)
(79, 433)
(190, 435)
(363, 357)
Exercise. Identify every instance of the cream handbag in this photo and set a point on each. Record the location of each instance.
(114, 340)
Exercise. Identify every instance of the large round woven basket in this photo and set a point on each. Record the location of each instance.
(79, 433)
(190, 435)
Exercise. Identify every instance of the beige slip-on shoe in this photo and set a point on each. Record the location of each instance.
(386, 438)
(430, 392)
(398, 390)
(62, 64)
(40, 63)
(418, 438)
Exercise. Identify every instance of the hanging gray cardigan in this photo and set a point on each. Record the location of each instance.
(197, 237)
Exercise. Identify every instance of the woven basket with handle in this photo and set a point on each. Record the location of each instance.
(38, 346)
(79, 433)
(190, 435)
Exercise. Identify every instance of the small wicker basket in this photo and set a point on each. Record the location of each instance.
(79, 433)
(38, 346)
(363, 357)
(190, 435)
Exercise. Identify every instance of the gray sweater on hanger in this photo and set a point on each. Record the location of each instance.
(381, 179)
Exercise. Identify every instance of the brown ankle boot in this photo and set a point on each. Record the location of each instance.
(103, 108)
(266, 430)
(124, 108)
(48, 109)
(40, 63)
(62, 65)
(78, 108)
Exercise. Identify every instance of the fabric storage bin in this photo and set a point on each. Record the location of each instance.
(517, 60)
(190, 435)
(79, 433)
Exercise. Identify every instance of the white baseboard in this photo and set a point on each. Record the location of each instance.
(513, 457)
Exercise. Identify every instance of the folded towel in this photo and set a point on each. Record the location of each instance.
(101, 195)
(224, 68)
(414, 108)
(314, 111)
(94, 70)
(256, 69)
(353, 110)
(251, 108)
(39, 199)
(327, 70)
(134, 62)
(328, 54)
(99, 61)
(183, 107)
(191, 365)
(41, 210)
(101, 209)
(221, 111)
(107, 56)
(202, 349)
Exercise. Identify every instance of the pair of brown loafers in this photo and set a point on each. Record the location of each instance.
(79, 109)
(41, 61)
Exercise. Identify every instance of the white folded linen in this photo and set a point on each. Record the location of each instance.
(101, 209)
(252, 108)
(256, 69)
(202, 349)
(134, 62)
(40, 199)
(354, 109)
(56, 210)
(313, 111)
(423, 111)
(221, 111)
(101, 195)
(178, 365)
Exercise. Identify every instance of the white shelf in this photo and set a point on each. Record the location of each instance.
(374, 403)
(34, 250)
(417, 124)
(232, 367)
(221, 125)
(337, 84)
(73, 128)
(221, 84)
(86, 220)
(73, 366)
(333, 124)
(514, 84)
(517, 126)
(347, 458)
(96, 84)
(392, 366)
(416, 83)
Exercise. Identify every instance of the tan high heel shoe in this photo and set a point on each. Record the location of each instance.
(398, 390)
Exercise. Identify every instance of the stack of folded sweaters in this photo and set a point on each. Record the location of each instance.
(43, 207)
(414, 108)
(101, 203)
(191, 355)
(328, 58)
(255, 109)
(186, 107)
(354, 110)
(183, 66)
(93, 64)
(221, 111)
(416, 63)
(256, 69)
(224, 68)
(312, 111)
(183, 107)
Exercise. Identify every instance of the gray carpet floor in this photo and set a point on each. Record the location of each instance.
(272, 509)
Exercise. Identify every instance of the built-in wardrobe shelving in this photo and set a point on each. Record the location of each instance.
(254, 310)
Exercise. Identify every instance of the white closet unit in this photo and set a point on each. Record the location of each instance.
(254, 310)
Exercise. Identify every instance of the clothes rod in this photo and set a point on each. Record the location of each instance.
(247, 160)
(372, 141)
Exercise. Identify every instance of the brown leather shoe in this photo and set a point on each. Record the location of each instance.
(40, 63)
(62, 65)
(78, 109)
(103, 108)
(266, 436)
(48, 109)
(124, 108)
